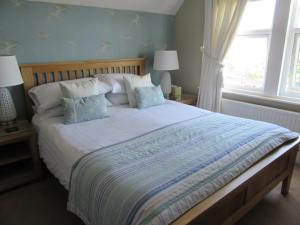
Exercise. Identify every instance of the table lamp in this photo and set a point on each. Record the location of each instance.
(166, 61)
(9, 76)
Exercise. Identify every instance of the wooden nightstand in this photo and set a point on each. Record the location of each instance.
(19, 157)
(188, 99)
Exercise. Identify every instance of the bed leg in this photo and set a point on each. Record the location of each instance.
(285, 187)
(286, 183)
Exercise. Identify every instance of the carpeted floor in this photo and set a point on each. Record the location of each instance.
(44, 203)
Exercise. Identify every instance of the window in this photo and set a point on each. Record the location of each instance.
(290, 83)
(264, 58)
(246, 60)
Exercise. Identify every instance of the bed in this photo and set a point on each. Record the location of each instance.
(61, 146)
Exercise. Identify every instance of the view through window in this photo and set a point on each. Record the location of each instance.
(246, 61)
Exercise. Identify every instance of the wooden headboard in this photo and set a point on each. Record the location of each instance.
(37, 74)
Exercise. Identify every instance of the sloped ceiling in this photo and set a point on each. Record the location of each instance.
(169, 7)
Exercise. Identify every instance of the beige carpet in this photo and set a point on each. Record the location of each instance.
(44, 203)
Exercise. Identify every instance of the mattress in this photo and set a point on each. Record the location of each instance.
(62, 145)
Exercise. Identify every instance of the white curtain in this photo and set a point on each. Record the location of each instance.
(221, 21)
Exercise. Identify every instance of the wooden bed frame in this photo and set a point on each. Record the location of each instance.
(227, 205)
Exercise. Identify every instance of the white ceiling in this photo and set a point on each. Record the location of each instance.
(169, 7)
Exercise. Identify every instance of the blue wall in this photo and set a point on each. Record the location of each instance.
(39, 32)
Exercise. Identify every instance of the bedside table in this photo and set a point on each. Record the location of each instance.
(19, 157)
(188, 99)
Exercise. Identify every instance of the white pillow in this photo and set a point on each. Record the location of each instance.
(117, 85)
(117, 99)
(131, 83)
(85, 88)
(45, 96)
(103, 87)
(58, 110)
(108, 103)
(80, 89)
(49, 95)
(115, 80)
(53, 112)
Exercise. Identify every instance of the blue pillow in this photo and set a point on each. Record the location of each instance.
(149, 96)
(79, 109)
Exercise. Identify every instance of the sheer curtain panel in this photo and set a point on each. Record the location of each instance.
(221, 21)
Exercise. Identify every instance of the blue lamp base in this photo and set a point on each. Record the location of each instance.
(7, 108)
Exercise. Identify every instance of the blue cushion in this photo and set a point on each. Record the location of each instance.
(149, 96)
(80, 109)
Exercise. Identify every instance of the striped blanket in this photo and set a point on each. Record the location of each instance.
(156, 177)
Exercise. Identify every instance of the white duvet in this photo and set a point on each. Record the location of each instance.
(62, 145)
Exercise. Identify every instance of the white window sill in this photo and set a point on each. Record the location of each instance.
(289, 104)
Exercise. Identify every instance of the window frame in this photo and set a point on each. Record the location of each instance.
(255, 33)
(277, 50)
(290, 53)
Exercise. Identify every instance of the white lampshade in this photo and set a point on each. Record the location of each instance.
(166, 60)
(9, 71)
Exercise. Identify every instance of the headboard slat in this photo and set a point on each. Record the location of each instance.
(48, 77)
(40, 78)
(56, 76)
(72, 74)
